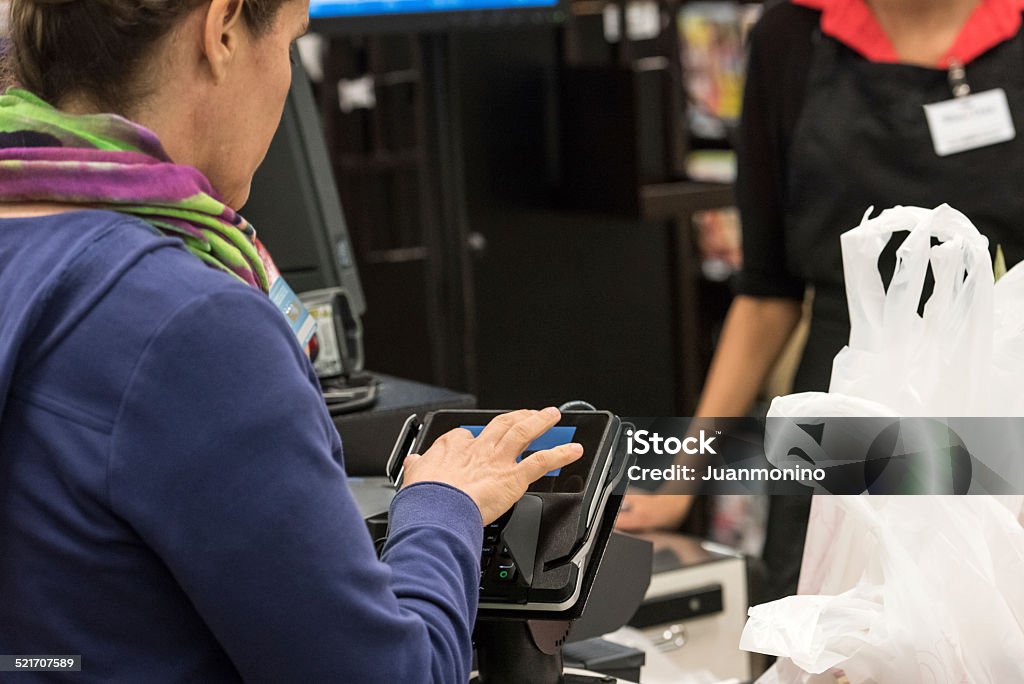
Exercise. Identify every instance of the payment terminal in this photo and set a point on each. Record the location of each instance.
(542, 560)
(534, 557)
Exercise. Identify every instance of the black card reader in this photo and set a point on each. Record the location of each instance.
(534, 557)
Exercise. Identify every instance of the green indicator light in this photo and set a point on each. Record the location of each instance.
(503, 574)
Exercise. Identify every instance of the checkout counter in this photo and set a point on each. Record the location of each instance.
(687, 628)
(695, 608)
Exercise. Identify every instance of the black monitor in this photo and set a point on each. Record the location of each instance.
(294, 203)
(387, 16)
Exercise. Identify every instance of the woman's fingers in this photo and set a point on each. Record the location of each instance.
(485, 467)
(459, 434)
(541, 463)
(526, 429)
(498, 427)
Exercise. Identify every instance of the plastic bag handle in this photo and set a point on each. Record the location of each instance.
(877, 315)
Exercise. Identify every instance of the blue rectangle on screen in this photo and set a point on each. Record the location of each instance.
(556, 436)
(319, 9)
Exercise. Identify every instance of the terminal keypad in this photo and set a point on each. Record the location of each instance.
(497, 569)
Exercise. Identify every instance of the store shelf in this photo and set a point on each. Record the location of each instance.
(667, 201)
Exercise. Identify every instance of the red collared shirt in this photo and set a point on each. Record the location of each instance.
(851, 22)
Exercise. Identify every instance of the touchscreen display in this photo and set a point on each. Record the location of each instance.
(556, 436)
(587, 428)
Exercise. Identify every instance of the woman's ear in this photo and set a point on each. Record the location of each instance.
(222, 35)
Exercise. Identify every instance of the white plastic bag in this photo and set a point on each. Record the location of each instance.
(1008, 343)
(938, 364)
(938, 598)
(915, 588)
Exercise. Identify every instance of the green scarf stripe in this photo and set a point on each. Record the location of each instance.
(176, 211)
(211, 261)
(224, 251)
(96, 130)
(203, 203)
(244, 251)
(177, 230)
(199, 247)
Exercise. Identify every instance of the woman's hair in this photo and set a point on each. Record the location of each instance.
(99, 48)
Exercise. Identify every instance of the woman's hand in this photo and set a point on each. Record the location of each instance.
(485, 468)
(642, 512)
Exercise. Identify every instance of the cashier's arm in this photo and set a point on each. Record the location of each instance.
(755, 333)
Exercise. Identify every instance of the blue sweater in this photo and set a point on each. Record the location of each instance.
(172, 500)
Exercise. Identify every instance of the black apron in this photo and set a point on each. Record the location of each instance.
(862, 140)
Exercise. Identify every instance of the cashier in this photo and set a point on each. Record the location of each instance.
(834, 121)
(173, 505)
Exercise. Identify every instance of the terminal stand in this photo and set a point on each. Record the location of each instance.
(522, 651)
(518, 651)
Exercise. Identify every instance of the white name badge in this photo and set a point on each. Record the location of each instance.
(969, 122)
